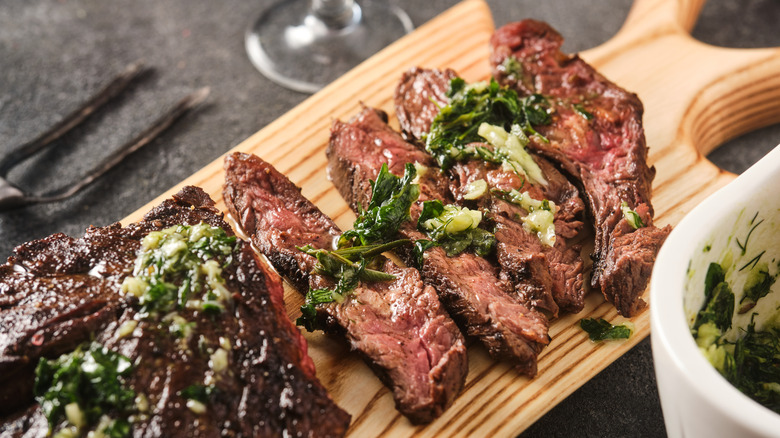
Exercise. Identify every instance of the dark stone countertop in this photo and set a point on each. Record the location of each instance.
(55, 54)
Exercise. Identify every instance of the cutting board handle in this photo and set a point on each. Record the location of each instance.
(680, 15)
(696, 96)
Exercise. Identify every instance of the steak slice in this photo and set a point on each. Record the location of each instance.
(418, 97)
(546, 277)
(468, 285)
(597, 137)
(398, 326)
(57, 293)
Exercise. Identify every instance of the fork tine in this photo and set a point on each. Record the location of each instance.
(111, 90)
(160, 125)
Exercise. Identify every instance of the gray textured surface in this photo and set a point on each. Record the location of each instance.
(55, 54)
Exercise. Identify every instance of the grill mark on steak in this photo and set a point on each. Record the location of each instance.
(606, 154)
(58, 292)
(547, 278)
(398, 326)
(468, 285)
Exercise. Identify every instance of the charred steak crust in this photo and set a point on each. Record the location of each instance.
(469, 286)
(398, 326)
(58, 292)
(547, 278)
(605, 151)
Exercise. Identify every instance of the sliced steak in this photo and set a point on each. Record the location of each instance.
(418, 97)
(597, 137)
(58, 293)
(549, 277)
(398, 326)
(468, 285)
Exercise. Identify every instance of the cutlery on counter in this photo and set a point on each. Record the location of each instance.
(13, 197)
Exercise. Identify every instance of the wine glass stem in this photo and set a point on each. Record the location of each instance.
(336, 14)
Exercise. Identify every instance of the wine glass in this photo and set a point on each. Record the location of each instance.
(305, 44)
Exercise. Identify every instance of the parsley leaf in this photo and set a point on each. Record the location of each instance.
(391, 199)
(718, 307)
(602, 330)
(457, 124)
(199, 393)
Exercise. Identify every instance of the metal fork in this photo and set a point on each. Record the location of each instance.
(12, 197)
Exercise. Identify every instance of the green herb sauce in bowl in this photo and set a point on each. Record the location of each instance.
(715, 311)
(736, 321)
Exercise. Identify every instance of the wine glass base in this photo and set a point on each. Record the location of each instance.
(295, 49)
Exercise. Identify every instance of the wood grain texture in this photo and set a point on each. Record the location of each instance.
(696, 96)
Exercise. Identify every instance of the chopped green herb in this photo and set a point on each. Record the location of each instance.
(181, 327)
(352, 261)
(455, 229)
(631, 216)
(420, 246)
(718, 307)
(754, 367)
(512, 68)
(580, 108)
(758, 284)
(752, 362)
(308, 318)
(715, 275)
(391, 199)
(754, 225)
(178, 263)
(118, 428)
(83, 386)
(200, 393)
(509, 150)
(457, 124)
(541, 214)
(602, 330)
(373, 233)
(348, 266)
(753, 262)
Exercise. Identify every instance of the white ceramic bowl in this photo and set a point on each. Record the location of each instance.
(696, 400)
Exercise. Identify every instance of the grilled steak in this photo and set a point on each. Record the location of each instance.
(546, 277)
(597, 137)
(418, 98)
(247, 360)
(398, 326)
(468, 285)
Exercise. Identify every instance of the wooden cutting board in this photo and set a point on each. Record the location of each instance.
(696, 96)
